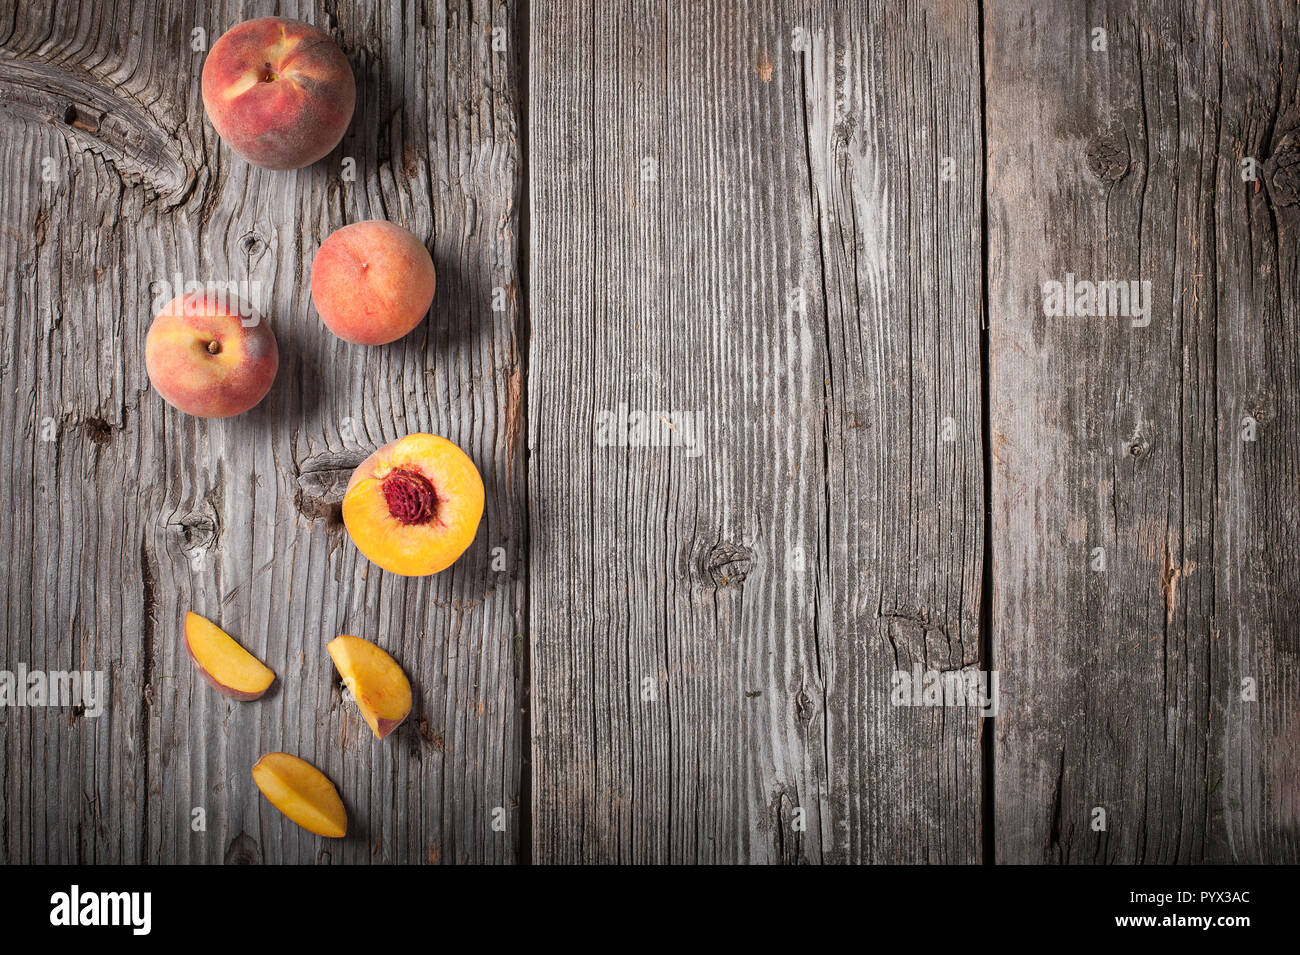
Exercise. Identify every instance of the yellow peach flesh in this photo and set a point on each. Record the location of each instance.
(432, 542)
(375, 680)
(223, 662)
(303, 793)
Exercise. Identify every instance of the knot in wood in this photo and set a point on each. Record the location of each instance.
(98, 430)
(1282, 171)
(250, 243)
(804, 706)
(243, 850)
(316, 508)
(199, 529)
(1108, 157)
(728, 563)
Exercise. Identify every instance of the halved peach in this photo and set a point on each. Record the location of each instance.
(303, 793)
(375, 680)
(223, 662)
(414, 505)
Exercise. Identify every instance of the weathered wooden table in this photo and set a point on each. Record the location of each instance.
(818, 244)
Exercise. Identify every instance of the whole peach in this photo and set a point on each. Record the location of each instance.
(280, 93)
(372, 282)
(210, 355)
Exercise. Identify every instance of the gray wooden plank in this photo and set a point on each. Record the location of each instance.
(78, 590)
(1123, 688)
(714, 634)
(134, 513)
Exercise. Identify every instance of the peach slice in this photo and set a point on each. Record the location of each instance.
(414, 505)
(223, 662)
(376, 682)
(303, 793)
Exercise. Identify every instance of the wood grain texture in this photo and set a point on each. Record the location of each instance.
(714, 635)
(133, 513)
(1124, 688)
(768, 229)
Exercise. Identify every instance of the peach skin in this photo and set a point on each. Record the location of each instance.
(414, 505)
(210, 355)
(280, 93)
(372, 282)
